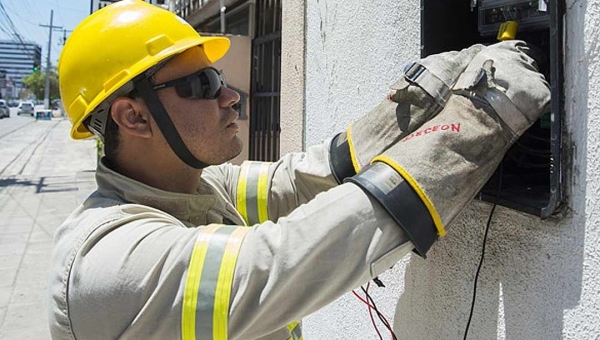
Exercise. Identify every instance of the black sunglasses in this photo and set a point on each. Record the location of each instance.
(204, 84)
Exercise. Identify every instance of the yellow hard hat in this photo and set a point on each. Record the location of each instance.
(115, 44)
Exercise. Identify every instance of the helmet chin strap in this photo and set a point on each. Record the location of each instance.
(165, 124)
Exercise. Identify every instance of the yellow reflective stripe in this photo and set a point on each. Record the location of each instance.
(262, 193)
(410, 180)
(295, 331)
(241, 191)
(190, 296)
(352, 152)
(292, 325)
(225, 281)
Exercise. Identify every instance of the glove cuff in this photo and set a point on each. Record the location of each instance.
(401, 201)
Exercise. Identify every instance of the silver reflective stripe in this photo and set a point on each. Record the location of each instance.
(297, 332)
(252, 192)
(295, 329)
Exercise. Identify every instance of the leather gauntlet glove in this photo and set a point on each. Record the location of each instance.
(417, 97)
(426, 179)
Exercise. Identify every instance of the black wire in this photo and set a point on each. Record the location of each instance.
(385, 323)
(487, 229)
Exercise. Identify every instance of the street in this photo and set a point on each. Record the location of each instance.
(44, 175)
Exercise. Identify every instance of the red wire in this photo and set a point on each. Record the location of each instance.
(363, 300)
(370, 311)
(385, 320)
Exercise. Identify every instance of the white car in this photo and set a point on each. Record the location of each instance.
(4, 110)
(26, 108)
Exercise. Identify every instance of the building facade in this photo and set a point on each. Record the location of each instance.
(18, 60)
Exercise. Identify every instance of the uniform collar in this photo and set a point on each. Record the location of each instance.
(201, 208)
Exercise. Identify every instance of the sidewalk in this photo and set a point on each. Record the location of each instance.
(44, 175)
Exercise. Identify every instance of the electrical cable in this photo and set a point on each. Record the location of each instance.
(487, 229)
(532, 151)
(9, 24)
(362, 299)
(382, 317)
(374, 324)
(522, 163)
(373, 307)
(370, 313)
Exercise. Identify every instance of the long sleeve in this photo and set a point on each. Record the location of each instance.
(264, 191)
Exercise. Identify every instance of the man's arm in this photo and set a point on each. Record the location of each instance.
(145, 275)
(263, 191)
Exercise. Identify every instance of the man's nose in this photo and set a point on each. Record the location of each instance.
(228, 97)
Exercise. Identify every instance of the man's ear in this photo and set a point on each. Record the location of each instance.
(130, 117)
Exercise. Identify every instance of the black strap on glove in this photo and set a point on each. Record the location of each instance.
(340, 160)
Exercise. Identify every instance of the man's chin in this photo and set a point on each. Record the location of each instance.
(226, 154)
(235, 150)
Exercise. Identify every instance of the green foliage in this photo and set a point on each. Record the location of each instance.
(36, 82)
(25, 94)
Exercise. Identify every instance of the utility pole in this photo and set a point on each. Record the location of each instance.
(48, 65)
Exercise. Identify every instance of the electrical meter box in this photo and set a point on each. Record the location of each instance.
(531, 171)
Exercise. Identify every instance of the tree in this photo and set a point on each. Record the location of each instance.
(24, 94)
(36, 82)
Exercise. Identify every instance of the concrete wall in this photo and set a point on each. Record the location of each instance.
(541, 279)
(293, 58)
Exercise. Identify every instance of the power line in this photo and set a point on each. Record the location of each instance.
(28, 34)
(86, 11)
(59, 11)
(9, 24)
(23, 19)
(31, 9)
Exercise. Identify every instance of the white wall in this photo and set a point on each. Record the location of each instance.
(541, 279)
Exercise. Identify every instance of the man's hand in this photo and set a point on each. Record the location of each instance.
(417, 96)
(448, 159)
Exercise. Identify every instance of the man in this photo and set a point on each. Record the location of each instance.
(176, 244)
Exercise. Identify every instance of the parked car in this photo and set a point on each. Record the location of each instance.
(55, 104)
(4, 110)
(26, 108)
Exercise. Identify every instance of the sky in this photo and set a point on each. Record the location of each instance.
(27, 15)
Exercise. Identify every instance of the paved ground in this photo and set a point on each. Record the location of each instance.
(43, 176)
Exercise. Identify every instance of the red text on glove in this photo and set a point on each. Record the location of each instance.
(436, 128)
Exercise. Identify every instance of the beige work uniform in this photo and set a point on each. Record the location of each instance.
(136, 262)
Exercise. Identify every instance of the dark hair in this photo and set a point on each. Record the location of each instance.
(111, 133)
